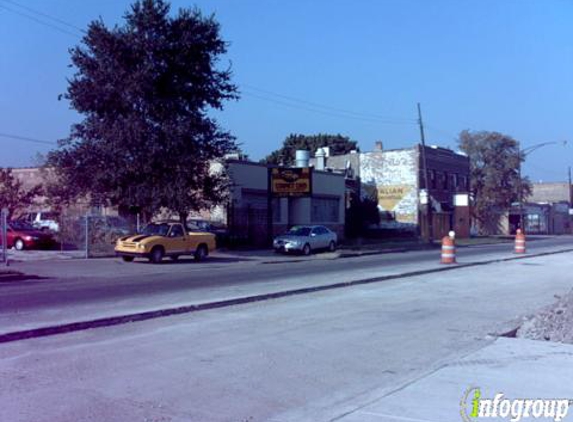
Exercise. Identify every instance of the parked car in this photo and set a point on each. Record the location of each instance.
(22, 235)
(305, 239)
(218, 229)
(165, 238)
(42, 220)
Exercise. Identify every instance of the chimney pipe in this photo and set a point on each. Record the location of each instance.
(302, 158)
(320, 156)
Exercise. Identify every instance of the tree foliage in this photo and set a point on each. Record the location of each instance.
(361, 213)
(495, 160)
(144, 90)
(13, 196)
(286, 154)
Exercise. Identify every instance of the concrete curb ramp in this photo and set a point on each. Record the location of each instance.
(147, 315)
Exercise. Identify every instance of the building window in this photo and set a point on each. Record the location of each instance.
(445, 180)
(325, 210)
(433, 179)
(464, 183)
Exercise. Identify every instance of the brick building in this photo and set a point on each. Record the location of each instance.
(247, 212)
(546, 210)
(395, 179)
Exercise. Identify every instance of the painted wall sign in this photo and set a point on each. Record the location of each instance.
(390, 196)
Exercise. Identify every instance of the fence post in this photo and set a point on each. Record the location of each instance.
(87, 236)
(4, 224)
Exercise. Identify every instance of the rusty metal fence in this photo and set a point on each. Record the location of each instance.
(3, 236)
(247, 226)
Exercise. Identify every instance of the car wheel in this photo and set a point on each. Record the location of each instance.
(332, 246)
(174, 257)
(156, 255)
(127, 258)
(19, 245)
(306, 249)
(201, 253)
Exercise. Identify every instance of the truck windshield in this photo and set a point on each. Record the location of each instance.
(160, 229)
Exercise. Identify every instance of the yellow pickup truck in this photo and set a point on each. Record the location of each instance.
(165, 238)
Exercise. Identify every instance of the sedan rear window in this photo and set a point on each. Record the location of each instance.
(299, 231)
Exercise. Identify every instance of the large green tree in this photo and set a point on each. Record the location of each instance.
(286, 154)
(495, 160)
(13, 195)
(144, 90)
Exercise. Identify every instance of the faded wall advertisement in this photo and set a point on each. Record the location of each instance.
(391, 178)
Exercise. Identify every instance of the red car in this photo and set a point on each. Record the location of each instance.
(25, 236)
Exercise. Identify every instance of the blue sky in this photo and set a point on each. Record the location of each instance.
(339, 66)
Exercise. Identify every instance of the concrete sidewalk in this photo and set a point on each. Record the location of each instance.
(267, 256)
(518, 368)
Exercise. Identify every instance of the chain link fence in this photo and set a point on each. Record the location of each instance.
(95, 235)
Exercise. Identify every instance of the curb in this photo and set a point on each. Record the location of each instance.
(143, 316)
(6, 277)
(353, 254)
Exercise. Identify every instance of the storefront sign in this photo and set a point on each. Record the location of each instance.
(291, 181)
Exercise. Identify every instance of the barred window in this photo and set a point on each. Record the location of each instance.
(276, 210)
(325, 210)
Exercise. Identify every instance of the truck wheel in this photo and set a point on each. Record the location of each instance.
(201, 253)
(19, 244)
(127, 258)
(156, 255)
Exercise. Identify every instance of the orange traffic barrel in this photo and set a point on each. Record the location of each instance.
(519, 242)
(448, 250)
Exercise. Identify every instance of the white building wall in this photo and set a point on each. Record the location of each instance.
(391, 178)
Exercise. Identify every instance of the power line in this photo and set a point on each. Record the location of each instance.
(37, 12)
(313, 110)
(25, 138)
(57, 28)
(316, 107)
(324, 112)
(386, 119)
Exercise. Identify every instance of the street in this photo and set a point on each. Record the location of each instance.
(79, 290)
(241, 212)
(312, 357)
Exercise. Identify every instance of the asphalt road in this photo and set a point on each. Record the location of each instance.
(80, 290)
(314, 357)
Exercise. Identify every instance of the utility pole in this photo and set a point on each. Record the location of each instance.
(429, 224)
(521, 224)
(570, 190)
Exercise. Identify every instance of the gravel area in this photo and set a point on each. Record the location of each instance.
(553, 323)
